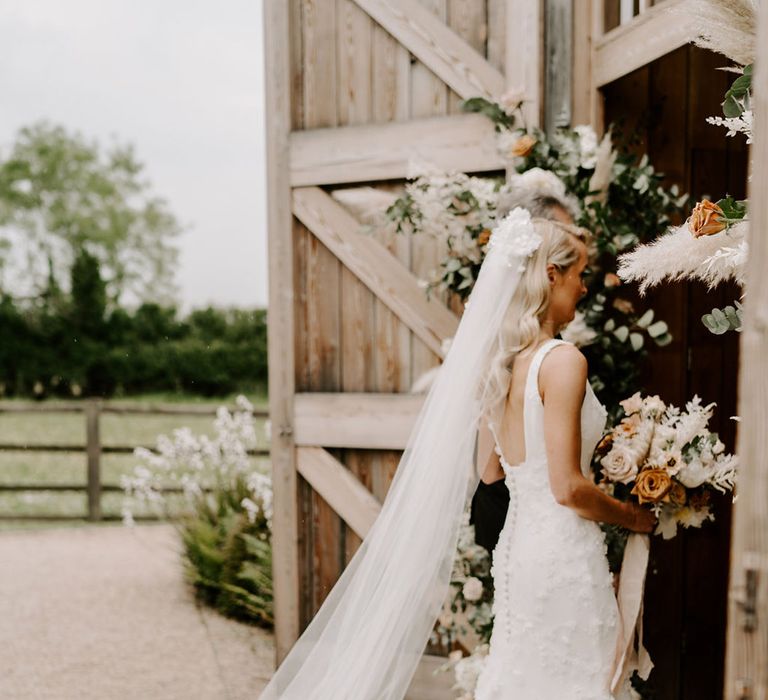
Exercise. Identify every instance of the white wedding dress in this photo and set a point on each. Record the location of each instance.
(556, 617)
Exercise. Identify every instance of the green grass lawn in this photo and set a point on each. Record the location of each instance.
(26, 467)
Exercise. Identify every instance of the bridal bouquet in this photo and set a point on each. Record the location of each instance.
(666, 458)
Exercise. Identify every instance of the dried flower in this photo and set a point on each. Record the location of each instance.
(652, 485)
(523, 146)
(706, 218)
(611, 280)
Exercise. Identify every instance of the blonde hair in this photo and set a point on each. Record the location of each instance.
(522, 321)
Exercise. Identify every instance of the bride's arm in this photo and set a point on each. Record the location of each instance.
(562, 380)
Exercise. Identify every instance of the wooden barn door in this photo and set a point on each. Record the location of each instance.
(356, 89)
(664, 105)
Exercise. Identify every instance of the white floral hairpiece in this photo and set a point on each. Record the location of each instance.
(515, 238)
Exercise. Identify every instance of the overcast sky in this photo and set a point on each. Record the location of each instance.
(182, 81)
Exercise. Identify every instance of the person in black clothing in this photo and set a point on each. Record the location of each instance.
(490, 502)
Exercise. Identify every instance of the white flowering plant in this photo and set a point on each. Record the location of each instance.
(467, 615)
(666, 459)
(224, 512)
(470, 598)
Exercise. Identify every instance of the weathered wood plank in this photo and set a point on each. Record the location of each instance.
(523, 54)
(434, 44)
(354, 34)
(323, 272)
(496, 46)
(339, 488)
(375, 266)
(429, 98)
(285, 560)
(642, 40)
(362, 420)
(581, 92)
(747, 640)
(390, 88)
(468, 18)
(383, 151)
(319, 63)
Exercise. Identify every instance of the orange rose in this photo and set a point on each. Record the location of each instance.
(612, 280)
(652, 485)
(623, 305)
(482, 239)
(523, 146)
(706, 219)
(677, 494)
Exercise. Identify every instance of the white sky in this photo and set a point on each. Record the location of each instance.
(182, 81)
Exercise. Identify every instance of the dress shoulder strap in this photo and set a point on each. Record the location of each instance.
(531, 386)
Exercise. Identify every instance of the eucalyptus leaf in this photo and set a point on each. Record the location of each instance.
(637, 341)
(610, 324)
(657, 329)
(645, 320)
(622, 333)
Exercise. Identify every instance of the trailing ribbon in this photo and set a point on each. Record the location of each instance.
(630, 598)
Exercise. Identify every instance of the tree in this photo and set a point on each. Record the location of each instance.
(89, 299)
(60, 194)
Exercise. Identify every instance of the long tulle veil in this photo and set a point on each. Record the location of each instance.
(366, 640)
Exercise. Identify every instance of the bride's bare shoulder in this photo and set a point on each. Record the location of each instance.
(565, 368)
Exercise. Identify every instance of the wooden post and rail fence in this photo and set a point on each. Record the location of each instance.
(93, 409)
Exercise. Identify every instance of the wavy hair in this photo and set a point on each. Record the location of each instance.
(522, 320)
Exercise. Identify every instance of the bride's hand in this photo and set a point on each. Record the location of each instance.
(642, 519)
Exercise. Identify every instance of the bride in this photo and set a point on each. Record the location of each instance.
(556, 620)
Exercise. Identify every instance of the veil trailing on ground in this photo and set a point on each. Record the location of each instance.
(370, 633)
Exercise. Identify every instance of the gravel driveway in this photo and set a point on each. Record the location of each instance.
(103, 612)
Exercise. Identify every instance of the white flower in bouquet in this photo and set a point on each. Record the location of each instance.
(663, 445)
(694, 473)
(633, 404)
(653, 406)
(693, 422)
(689, 517)
(472, 589)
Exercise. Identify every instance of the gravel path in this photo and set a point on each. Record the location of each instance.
(104, 612)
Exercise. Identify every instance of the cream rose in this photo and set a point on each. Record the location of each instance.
(472, 589)
(618, 465)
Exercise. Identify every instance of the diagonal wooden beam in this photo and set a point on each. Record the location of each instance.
(451, 58)
(375, 266)
(465, 142)
(340, 488)
(649, 36)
